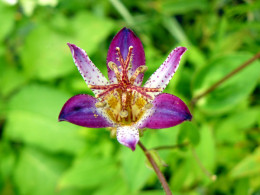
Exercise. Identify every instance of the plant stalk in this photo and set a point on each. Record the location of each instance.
(215, 85)
(156, 169)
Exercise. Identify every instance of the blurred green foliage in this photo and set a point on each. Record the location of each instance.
(39, 156)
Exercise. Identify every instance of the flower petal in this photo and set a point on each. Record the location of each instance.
(81, 110)
(124, 39)
(128, 136)
(90, 73)
(168, 111)
(165, 72)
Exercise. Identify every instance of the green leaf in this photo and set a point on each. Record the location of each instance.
(88, 172)
(33, 119)
(249, 166)
(231, 129)
(182, 6)
(188, 132)
(7, 19)
(206, 149)
(46, 57)
(49, 57)
(231, 92)
(117, 186)
(134, 169)
(37, 173)
(7, 161)
(11, 79)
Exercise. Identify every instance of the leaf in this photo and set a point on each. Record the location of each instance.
(49, 57)
(33, 119)
(37, 173)
(89, 172)
(134, 169)
(182, 6)
(206, 149)
(7, 14)
(249, 166)
(11, 79)
(189, 132)
(231, 92)
(117, 186)
(231, 129)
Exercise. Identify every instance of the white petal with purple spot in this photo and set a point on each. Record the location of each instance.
(128, 136)
(165, 72)
(90, 73)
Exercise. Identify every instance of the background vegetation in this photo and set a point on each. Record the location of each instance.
(39, 156)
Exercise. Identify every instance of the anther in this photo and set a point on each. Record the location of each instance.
(123, 113)
(139, 70)
(100, 104)
(114, 68)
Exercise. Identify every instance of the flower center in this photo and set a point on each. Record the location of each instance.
(124, 102)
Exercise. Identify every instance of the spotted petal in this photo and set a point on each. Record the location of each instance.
(165, 72)
(128, 136)
(168, 111)
(124, 39)
(81, 110)
(90, 73)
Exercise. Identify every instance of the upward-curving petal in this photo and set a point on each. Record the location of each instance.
(165, 72)
(124, 39)
(90, 73)
(81, 110)
(168, 111)
(128, 136)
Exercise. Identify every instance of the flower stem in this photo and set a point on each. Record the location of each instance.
(215, 85)
(170, 146)
(156, 169)
(204, 169)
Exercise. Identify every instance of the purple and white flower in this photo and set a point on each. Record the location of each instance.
(121, 102)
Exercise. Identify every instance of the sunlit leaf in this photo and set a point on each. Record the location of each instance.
(37, 173)
(33, 119)
(89, 172)
(248, 166)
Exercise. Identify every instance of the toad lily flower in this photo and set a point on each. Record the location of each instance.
(121, 102)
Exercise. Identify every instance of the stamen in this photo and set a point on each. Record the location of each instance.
(124, 99)
(104, 93)
(139, 70)
(123, 113)
(100, 104)
(102, 87)
(120, 57)
(114, 68)
(129, 57)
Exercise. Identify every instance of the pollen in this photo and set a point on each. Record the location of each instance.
(140, 102)
(112, 102)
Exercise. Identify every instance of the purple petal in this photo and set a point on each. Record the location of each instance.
(168, 111)
(81, 110)
(90, 73)
(128, 136)
(165, 72)
(124, 39)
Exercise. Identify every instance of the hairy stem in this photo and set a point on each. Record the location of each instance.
(215, 85)
(204, 170)
(170, 146)
(156, 169)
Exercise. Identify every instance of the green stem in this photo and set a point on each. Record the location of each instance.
(170, 146)
(156, 169)
(215, 85)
